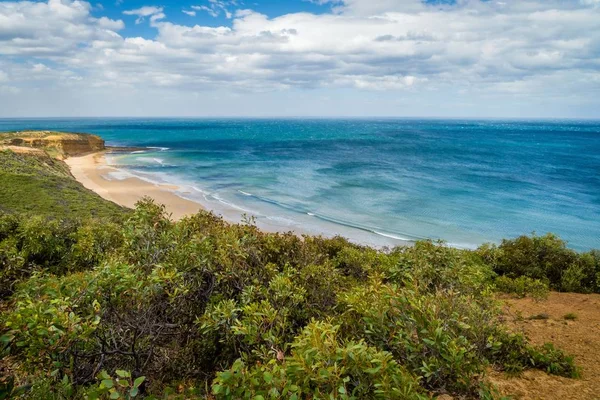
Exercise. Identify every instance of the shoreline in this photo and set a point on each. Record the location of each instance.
(91, 169)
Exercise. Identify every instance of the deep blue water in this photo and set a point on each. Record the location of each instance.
(376, 181)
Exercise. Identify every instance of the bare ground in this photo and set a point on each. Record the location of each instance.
(579, 338)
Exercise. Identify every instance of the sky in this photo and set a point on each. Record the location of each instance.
(320, 58)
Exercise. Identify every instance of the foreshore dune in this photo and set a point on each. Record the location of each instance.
(91, 171)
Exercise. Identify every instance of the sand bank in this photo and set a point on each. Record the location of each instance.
(91, 171)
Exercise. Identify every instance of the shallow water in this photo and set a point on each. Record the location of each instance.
(380, 181)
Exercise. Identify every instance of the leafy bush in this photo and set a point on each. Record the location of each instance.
(236, 312)
(545, 258)
(123, 386)
(320, 366)
(522, 286)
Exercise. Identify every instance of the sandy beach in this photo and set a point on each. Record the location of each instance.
(91, 171)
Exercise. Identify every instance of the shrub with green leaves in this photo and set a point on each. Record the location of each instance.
(320, 365)
(122, 386)
(522, 286)
(233, 312)
(545, 258)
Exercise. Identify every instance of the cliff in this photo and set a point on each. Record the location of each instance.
(58, 144)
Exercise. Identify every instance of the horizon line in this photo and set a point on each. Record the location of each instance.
(474, 118)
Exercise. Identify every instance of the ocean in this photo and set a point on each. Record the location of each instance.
(381, 182)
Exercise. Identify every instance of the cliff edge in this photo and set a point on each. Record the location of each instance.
(59, 144)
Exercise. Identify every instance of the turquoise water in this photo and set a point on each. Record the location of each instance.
(380, 181)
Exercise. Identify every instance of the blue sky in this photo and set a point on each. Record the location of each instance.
(174, 9)
(463, 58)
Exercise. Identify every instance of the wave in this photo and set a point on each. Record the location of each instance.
(159, 148)
(283, 220)
(211, 197)
(233, 205)
(392, 236)
(349, 224)
(151, 160)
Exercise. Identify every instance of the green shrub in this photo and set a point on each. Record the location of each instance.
(122, 386)
(514, 354)
(280, 315)
(522, 286)
(544, 258)
(441, 337)
(320, 366)
(8, 225)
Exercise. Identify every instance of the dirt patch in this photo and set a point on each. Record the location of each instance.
(570, 321)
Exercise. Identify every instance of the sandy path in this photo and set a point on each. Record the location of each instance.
(91, 170)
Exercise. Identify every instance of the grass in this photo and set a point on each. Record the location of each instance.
(542, 316)
(40, 185)
(570, 317)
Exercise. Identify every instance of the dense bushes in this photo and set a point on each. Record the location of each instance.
(545, 258)
(522, 286)
(29, 244)
(205, 306)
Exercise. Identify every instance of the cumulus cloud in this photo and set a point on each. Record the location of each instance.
(525, 47)
(55, 29)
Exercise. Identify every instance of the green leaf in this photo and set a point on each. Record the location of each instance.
(133, 392)
(123, 374)
(108, 383)
(115, 395)
(138, 381)
(6, 339)
(268, 377)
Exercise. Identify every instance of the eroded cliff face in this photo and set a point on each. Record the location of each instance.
(59, 143)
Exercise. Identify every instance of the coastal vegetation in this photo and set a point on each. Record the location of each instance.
(100, 302)
(35, 184)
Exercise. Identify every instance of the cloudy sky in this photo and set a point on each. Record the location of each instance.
(463, 58)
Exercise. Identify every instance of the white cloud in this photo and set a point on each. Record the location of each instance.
(190, 13)
(216, 7)
(525, 48)
(109, 24)
(146, 11)
(39, 68)
(209, 10)
(55, 29)
(3, 76)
